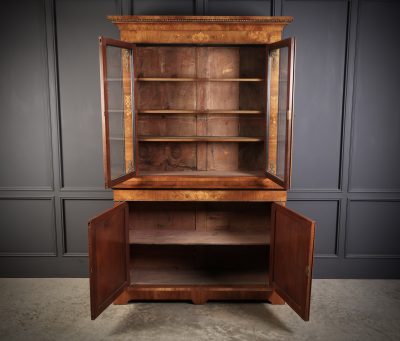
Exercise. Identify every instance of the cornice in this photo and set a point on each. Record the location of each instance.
(201, 19)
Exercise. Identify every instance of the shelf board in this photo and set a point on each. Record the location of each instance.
(192, 79)
(166, 79)
(178, 111)
(204, 173)
(168, 111)
(143, 276)
(193, 237)
(199, 139)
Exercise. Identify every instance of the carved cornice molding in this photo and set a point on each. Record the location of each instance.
(200, 19)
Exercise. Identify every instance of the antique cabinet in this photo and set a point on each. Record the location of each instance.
(197, 134)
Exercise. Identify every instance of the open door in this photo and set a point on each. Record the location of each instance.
(108, 257)
(280, 79)
(292, 248)
(118, 109)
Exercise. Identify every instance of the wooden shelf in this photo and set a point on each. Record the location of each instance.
(199, 139)
(168, 111)
(178, 111)
(216, 237)
(189, 79)
(165, 79)
(205, 173)
(203, 180)
(142, 276)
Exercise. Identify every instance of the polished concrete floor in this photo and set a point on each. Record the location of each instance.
(58, 309)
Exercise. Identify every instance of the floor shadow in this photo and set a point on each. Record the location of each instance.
(152, 316)
(262, 312)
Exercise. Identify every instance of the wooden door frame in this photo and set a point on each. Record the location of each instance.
(103, 43)
(290, 44)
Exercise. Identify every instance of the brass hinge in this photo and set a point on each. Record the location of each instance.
(130, 166)
(308, 272)
(288, 115)
(271, 168)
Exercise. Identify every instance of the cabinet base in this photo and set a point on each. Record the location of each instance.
(198, 295)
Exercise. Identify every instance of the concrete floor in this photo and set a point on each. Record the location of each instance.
(58, 309)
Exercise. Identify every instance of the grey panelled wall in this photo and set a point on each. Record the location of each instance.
(346, 135)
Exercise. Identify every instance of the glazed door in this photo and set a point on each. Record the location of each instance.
(108, 257)
(292, 248)
(118, 109)
(280, 77)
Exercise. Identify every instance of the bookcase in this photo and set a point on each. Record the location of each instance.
(197, 136)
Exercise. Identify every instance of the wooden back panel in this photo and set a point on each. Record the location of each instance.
(205, 216)
(189, 69)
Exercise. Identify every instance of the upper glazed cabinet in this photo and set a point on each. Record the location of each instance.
(203, 109)
(197, 136)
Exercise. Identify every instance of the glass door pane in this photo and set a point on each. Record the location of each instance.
(117, 72)
(279, 111)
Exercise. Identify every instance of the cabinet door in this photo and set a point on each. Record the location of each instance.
(108, 257)
(292, 248)
(118, 109)
(280, 77)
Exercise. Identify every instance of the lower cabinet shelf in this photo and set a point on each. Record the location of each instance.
(198, 277)
(198, 265)
(200, 139)
(216, 237)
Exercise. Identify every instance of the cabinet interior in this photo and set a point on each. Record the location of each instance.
(197, 109)
(200, 109)
(199, 243)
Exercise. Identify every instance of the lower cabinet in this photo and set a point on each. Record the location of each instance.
(201, 251)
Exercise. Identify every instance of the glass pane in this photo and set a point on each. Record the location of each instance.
(282, 112)
(117, 144)
(278, 87)
(120, 111)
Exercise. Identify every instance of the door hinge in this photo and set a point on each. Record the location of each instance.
(289, 115)
(271, 168)
(308, 272)
(130, 166)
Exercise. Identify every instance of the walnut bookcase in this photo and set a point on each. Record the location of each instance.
(197, 127)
